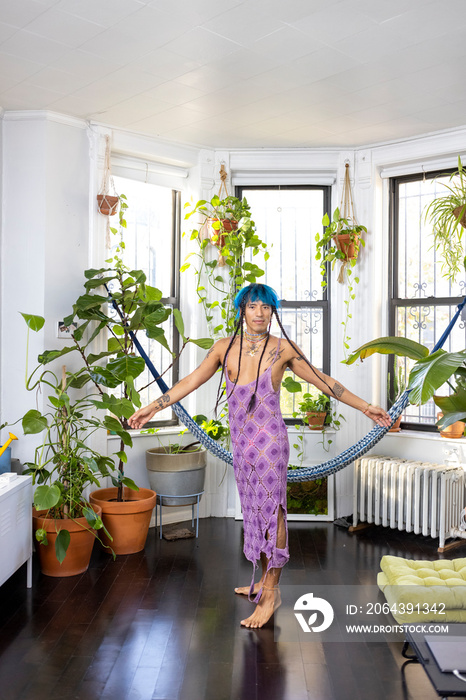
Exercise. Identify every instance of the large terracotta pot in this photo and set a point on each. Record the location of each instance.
(128, 521)
(79, 552)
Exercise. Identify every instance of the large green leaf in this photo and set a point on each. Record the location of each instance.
(451, 418)
(35, 323)
(179, 323)
(158, 334)
(61, 544)
(151, 293)
(431, 372)
(156, 317)
(88, 274)
(452, 403)
(46, 497)
(204, 343)
(389, 345)
(33, 422)
(89, 301)
(102, 376)
(51, 355)
(126, 366)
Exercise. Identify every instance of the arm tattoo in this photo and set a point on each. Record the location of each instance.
(210, 352)
(338, 390)
(298, 358)
(160, 403)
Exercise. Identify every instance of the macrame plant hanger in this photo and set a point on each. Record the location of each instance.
(346, 212)
(206, 230)
(106, 201)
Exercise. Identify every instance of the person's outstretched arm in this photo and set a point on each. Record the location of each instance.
(185, 386)
(333, 388)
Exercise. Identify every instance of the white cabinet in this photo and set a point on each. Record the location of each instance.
(16, 527)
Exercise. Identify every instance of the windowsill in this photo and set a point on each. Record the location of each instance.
(421, 435)
(136, 434)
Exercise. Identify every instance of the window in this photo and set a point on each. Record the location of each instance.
(422, 301)
(152, 245)
(287, 219)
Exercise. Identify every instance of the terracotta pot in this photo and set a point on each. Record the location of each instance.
(108, 204)
(127, 522)
(396, 426)
(79, 551)
(316, 419)
(457, 212)
(455, 430)
(349, 248)
(229, 225)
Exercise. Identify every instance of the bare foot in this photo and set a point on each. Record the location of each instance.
(244, 590)
(270, 601)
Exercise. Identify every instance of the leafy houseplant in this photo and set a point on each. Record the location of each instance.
(115, 371)
(233, 232)
(447, 214)
(316, 411)
(64, 466)
(428, 374)
(341, 241)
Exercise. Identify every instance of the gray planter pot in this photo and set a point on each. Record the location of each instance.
(176, 475)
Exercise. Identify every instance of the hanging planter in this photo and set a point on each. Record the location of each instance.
(108, 204)
(348, 244)
(341, 242)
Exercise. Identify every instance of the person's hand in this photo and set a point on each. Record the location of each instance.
(141, 417)
(378, 415)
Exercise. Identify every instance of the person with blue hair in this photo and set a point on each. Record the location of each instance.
(253, 362)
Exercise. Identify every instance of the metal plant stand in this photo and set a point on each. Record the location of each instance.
(159, 504)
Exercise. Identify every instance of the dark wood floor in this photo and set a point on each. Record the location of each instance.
(164, 624)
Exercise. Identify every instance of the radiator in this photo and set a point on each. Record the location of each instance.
(417, 497)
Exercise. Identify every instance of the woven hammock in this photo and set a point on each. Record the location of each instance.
(308, 473)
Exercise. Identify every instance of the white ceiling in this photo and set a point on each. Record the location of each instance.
(241, 73)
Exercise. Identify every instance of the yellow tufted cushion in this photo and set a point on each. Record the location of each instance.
(422, 585)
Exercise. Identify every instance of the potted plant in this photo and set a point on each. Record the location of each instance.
(64, 466)
(395, 388)
(177, 470)
(315, 409)
(234, 232)
(341, 241)
(447, 214)
(132, 307)
(427, 375)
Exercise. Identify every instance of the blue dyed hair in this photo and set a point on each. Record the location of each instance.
(254, 292)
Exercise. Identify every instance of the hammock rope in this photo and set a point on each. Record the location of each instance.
(308, 473)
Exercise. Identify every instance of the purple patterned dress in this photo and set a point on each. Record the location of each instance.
(260, 462)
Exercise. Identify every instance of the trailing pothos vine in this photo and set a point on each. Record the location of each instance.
(225, 224)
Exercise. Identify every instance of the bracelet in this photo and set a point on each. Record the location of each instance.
(367, 408)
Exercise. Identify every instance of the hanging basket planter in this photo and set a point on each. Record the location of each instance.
(108, 204)
(461, 212)
(349, 245)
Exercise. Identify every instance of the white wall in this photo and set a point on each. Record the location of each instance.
(45, 238)
(51, 170)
